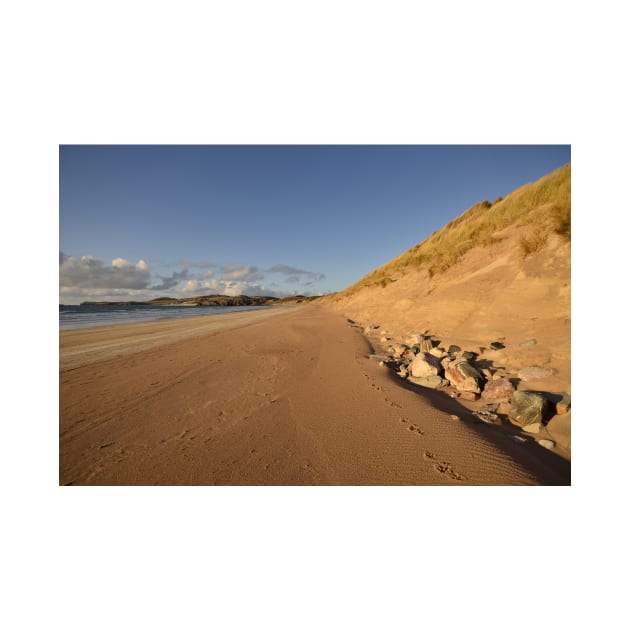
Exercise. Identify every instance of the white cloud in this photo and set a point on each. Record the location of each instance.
(87, 278)
(194, 285)
(240, 272)
(90, 273)
(294, 274)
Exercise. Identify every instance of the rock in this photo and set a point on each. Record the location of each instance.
(528, 408)
(398, 349)
(564, 405)
(504, 408)
(547, 443)
(532, 428)
(467, 356)
(535, 373)
(410, 354)
(424, 364)
(472, 396)
(463, 376)
(379, 357)
(497, 345)
(402, 372)
(454, 417)
(426, 345)
(385, 339)
(528, 342)
(414, 338)
(518, 439)
(432, 382)
(487, 373)
(501, 389)
(454, 349)
(437, 352)
(486, 416)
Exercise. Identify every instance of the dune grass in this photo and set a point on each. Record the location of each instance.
(543, 206)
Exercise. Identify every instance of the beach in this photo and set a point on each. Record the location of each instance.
(285, 396)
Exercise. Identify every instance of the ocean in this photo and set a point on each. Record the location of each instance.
(73, 317)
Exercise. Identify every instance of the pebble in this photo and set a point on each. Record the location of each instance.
(535, 372)
(486, 416)
(518, 439)
(547, 443)
(528, 342)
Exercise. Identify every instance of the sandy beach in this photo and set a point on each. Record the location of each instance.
(287, 396)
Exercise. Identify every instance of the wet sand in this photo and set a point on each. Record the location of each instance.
(279, 397)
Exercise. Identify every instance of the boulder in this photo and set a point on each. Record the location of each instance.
(535, 373)
(564, 405)
(501, 390)
(437, 352)
(410, 354)
(504, 408)
(486, 416)
(452, 349)
(466, 355)
(398, 349)
(414, 338)
(529, 408)
(463, 376)
(426, 345)
(432, 382)
(472, 396)
(424, 364)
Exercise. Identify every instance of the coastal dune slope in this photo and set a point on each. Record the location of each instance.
(499, 272)
(290, 399)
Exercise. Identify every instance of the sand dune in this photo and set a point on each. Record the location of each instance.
(281, 397)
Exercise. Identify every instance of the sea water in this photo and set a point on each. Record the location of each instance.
(72, 317)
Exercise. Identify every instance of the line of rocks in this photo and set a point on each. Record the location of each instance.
(421, 361)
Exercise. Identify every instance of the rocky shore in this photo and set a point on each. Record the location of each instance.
(494, 392)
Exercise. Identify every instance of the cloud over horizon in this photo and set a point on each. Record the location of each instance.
(87, 278)
(295, 274)
(88, 272)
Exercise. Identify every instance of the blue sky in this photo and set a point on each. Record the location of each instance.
(138, 222)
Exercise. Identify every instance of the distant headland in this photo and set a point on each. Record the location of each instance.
(212, 300)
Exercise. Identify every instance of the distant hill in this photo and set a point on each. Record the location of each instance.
(211, 300)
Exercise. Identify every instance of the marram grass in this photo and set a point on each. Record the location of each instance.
(543, 206)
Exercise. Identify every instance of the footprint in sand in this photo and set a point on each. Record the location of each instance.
(445, 468)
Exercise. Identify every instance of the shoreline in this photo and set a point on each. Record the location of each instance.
(291, 399)
(86, 345)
